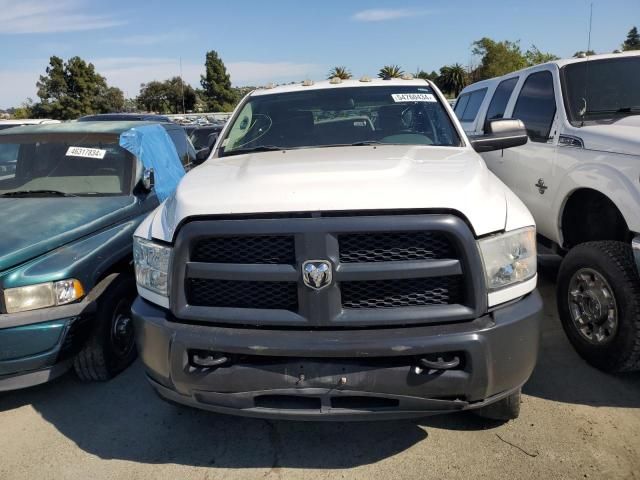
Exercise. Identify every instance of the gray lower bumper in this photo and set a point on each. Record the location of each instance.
(341, 374)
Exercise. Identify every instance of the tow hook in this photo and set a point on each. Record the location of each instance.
(439, 364)
(208, 360)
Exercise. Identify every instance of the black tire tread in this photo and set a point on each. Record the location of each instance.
(620, 254)
(505, 409)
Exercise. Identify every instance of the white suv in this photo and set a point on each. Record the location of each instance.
(343, 253)
(580, 178)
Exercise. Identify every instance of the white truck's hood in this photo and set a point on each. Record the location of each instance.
(622, 136)
(333, 179)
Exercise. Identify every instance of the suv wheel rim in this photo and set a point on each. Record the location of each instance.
(122, 337)
(592, 305)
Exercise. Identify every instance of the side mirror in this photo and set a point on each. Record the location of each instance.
(500, 134)
(202, 155)
(148, 179)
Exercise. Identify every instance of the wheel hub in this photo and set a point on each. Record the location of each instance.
(593, 306)
(122, 333)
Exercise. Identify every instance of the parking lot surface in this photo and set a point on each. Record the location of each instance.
(575, 423)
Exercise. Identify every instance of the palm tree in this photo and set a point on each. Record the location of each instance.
(453, 78)
(341, 72)
(390, 71)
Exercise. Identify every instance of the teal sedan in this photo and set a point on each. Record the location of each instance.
(71, 196)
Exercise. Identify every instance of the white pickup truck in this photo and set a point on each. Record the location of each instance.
(580, 178)
(344, 253)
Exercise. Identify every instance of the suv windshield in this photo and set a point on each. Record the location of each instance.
(602, 89)
(64, 164)
(408, 115)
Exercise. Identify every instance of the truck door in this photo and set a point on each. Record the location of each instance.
(528, 170)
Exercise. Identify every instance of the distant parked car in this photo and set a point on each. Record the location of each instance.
(203, 136)
(132, 117)
(69, 208)
(25, 121)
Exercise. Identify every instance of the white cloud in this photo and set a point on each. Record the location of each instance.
(45, 16)
(145, 40)
(384, 14)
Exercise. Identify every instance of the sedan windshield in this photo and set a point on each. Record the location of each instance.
(64, 165)
(407, 115)
(602, 90)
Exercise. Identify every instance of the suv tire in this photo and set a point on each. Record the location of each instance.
(110, 347)
(598, 297)
(504, 410)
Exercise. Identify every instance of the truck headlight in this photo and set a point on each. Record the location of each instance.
(151, 261)
(509, 258)
(42, 295)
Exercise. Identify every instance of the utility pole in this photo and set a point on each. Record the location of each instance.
(184, 111)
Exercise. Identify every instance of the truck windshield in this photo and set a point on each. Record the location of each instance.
(407, 115)
(602, 90)
(64, 165)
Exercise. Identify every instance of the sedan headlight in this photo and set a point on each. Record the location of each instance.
(151, 262)
(42, 295)
(509, 258)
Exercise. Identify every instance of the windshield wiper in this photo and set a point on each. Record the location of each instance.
(617, 110)
(261, 148)
(27, 193)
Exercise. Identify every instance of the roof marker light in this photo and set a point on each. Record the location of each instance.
(407, 76)
(365, 79)
(335, 81)
(307, 83)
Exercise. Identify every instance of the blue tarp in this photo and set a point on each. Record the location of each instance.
(153, 147)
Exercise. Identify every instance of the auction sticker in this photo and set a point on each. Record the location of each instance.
(413, 97)
(86, 152)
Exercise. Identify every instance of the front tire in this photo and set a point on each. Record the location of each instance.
(111, 346)
(598, 297)
(503, 410)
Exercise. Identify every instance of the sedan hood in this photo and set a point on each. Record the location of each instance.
(622, 136)
(338, 179)
(34, 226)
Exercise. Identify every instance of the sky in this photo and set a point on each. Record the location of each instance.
(131, 41)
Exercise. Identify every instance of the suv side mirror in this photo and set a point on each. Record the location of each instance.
(202, 155)
(148, 179)
(500, 134)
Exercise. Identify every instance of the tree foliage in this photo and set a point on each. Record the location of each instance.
(166, 96)
(452, 79)
(340, 72)
(73, 88)
(633, 40)
(390, 71)
(433, 76)
(217, 93)
(534, 56)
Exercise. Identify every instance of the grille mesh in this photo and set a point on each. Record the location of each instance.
(242, 294)
(416, 292)
(245, 250)
(394, 247)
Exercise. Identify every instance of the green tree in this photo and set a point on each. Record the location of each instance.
(74, 88)
(166, 97)
(340, 72)
(216, 85)
(452, 79)
(581, 53)
(390, 71)
(534, 56)
(433, 76)
(497, 58)
(633, 40)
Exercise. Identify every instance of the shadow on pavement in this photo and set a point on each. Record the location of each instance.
(123, 419)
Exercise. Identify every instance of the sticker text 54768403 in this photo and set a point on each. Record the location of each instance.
(413, 97)
(86, 152)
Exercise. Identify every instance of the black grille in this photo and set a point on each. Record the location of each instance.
(394, 247)
(245, 250)
(416, 292)
(242, 294)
